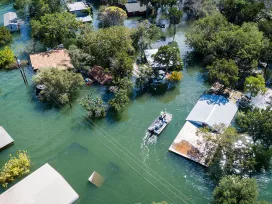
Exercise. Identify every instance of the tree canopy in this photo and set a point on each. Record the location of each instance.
(95, 106)
(199, 8)
(168, 57)
(6, 57)
(59, 85)
(111, 16)
(254, 85)
(55, 29)
(175, 17)
(5, 35)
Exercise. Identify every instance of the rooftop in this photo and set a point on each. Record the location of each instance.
(5, 138)
(77, 6)
(134, 7)
(54, 58)
(10, 18)
(100, 75)
(212, 110)
(85, 18)
(193, 146)
(43, 186)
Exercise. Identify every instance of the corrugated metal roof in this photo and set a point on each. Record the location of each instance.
(85, 18)
(10, 18)
(43, 186)
(5, 138)
(134, 7)
(212, 110)
(77, 6)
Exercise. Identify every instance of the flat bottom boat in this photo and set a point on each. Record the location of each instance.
(160, 123)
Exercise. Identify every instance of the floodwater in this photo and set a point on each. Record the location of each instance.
(137, 169)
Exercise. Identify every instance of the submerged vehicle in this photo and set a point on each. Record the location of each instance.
(160, 123)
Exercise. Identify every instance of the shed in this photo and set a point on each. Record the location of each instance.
(43, 186)
(192, 146)
(5, 138)
(54, 58)
(135, 8)
(99, 74)
(79, 9)
(11, 21)
(213, 109)
(96, 179)
(76, 6)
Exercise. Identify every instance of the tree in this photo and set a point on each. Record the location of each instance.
(168, 57)
(111, 16)
(54, 29)
(145, 72)
(254, 85)
(120, 100)
(6, 57)
(175, 17)
(199, 8)
(144, 35)
(5, 36)
(234, 190)
(258, 124)
(15, 167)
(121, 66)
(60, 85)
(175, 76)
(96, 107)
(224, 71)
(39, 8)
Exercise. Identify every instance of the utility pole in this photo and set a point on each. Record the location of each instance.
(21, 70)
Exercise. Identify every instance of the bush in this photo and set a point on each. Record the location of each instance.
(5, 35)
(6, 57)
(95, 107)
(15, 167)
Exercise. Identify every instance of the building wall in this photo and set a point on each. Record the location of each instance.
(13, 27)
(79, 13)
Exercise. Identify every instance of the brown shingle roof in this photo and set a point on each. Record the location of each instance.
(54, 58)
(100, 75)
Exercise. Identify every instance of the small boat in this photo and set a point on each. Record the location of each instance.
(160, 123)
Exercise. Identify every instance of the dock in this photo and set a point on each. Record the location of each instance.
(5, 139)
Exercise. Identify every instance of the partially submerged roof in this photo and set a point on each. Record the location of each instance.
(100, 75)
(43, 186)
(77, 6)
(10, 18)
(212, 110)
(5, 138)
(96, 179)
(85, 18)
(149, 58)
(54, 58)
(135, 7)
(193, 146)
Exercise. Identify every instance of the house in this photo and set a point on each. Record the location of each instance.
(11, 21)
(209, 111)
(135, 9)
(81, 10)
(150, 60)
(100, 75)
(53, 58)
(43, 186)
(5, 138)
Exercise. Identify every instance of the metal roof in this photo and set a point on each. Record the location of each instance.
(212, 110)
(5, 138)
(77, 6)
(43, 186)
(10, 18)
(85, 18)
(134, 7)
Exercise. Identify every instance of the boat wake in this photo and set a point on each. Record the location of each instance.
(147, 140)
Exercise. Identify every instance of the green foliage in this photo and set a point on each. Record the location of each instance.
(254, 85)
(5, 35)
(199, 8)
(215, 38)
(15, 167)
(105, 44)
(60, 85)
(39, 8)
(258, 124)
(168, 57)
(6, 57)
(95, 107)
(262, 157)
(143, 78)
(144, 35)
(234, 190)
(111, 16)
(54, 29)
(240, 11)
(121, 66)
(175, 15)
(120, 100)
(21, 4)
(224, 71)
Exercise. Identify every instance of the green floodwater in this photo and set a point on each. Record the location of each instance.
(136, 170)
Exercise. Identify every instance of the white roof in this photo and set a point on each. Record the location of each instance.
(212, 110)
(149, 58)
(85, 18)
(10, 18)
(77, 6)
(43, 186)
(5, 138)
(262, 100)
(134, 7)
(192, 146)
